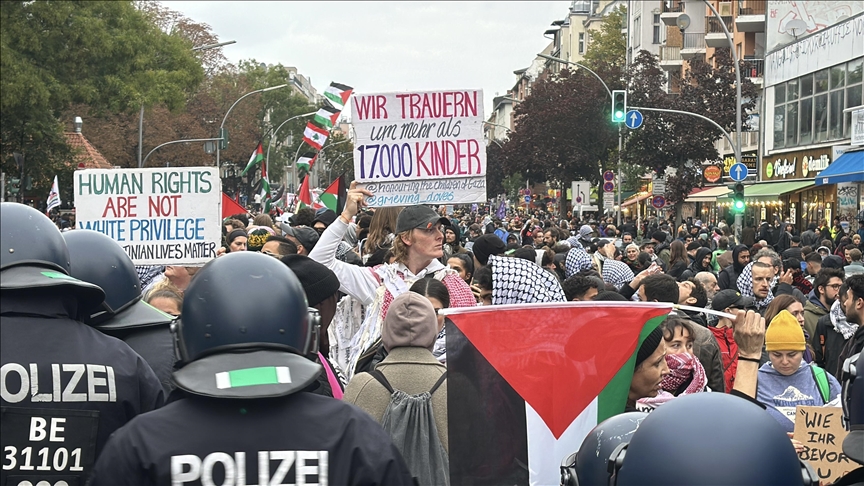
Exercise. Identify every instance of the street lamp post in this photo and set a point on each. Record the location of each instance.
(187, 140)
(620, 131)
(738, 216)
(141, 115)
(222, 125)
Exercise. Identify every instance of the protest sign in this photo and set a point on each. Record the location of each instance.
(161, 216)
(420, 147)
(821, 431)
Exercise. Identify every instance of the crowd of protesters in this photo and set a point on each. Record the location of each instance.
(357, 266)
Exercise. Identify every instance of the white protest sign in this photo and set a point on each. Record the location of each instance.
(161, 216)
(420, 147)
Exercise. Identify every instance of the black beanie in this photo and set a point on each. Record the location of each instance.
(318, 281)
(233, 235)
(486, 246)
(649, 345)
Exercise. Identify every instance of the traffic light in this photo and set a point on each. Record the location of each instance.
(619, 105)
(14, 185)
(738, 204)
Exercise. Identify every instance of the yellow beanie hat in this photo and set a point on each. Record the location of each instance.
(784, 334)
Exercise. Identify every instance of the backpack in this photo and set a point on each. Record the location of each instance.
(821, 382)
(410, 422)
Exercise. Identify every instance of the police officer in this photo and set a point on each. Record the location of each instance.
(65, 386)
(589, 465)
(750, 450)
(241, 415)
(98, 259)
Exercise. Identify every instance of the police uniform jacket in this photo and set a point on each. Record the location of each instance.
(301, 438)
(65, 388)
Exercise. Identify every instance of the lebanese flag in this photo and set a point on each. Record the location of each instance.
(337, 95)
(334, 196)
(315, 136)
(528, 382)
(327, 116)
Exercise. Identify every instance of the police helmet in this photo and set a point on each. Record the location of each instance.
(98, 259)
(33, 254)
(853, 408)
(245, 330)
(588, 466)
(752, 450)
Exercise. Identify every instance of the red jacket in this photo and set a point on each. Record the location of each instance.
(728, 354)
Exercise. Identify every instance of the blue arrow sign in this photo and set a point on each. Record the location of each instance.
(527, 198)
(633, 119)
(738, 172)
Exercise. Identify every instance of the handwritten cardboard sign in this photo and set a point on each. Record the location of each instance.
(160, 216)
(420, 147)
(821, 431)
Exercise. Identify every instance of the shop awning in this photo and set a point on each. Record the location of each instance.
(635, 199)
(775, 188)
(849, 167)
(709, 195)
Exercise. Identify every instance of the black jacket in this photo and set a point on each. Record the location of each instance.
(78, 383)
(295, 436)
(696, 266)
(827, 345)
(728, 277)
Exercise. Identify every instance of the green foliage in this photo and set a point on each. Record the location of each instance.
(608, 46)
(106, 55)
(512, 184)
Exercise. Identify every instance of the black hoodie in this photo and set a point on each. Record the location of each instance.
(696, 266)
(728, 278)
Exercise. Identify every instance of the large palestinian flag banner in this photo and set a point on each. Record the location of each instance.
(526, 383)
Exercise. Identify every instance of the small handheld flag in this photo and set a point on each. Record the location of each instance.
(54, 196)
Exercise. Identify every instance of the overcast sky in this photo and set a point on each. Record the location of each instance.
(386, 46)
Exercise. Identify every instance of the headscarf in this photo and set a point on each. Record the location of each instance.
(518, 281)
(682, 367)
(613, 272)
(745, 286)
(576, 261)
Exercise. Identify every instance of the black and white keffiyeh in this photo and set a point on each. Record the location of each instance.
(577, 260)
(615, 272)
(519, 281)
(745, 286)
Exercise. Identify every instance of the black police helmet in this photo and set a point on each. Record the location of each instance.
(245, 330)
(755, 451)
(33, 254)
(853, 408)
(589, 465)
(98, 259)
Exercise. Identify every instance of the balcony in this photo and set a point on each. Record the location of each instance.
(751, 16)
(694, 45)
(753, 69)
(714, 35)
(670, 11)
(670, 58)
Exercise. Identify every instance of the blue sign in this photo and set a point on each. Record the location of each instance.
(633, 119)
(527, 198)
(658, 201)
(738, 172)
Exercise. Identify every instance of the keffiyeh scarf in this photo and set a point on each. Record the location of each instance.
(519, 281)
(838, 319)
(614, 272)
(682, 367)
(745, 285)
(576, 261)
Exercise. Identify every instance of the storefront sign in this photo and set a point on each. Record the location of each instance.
(749, 159)
(858, 127)
(712, 173)
(796, 165)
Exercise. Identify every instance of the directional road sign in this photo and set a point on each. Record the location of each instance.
(658, 201)
(608, 186)
(738, 172)
(527, 198)
(633, 119)
(608, 176)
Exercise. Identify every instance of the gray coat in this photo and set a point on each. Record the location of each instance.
(413, 370)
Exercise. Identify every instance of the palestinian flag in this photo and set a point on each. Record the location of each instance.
(326, 116)
(315, 136)
(305, 163)
(334, 196)
(528, 382)
(337, 95)
(266, 197)
(307, 198)
(256, 158)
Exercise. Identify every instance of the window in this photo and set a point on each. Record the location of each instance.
(581, 42)
(658, 30)
(636, 36)
(810, 109)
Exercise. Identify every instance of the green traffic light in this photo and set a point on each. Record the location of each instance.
(619, 115)
(739, 205)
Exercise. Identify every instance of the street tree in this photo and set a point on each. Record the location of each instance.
(105, 55)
